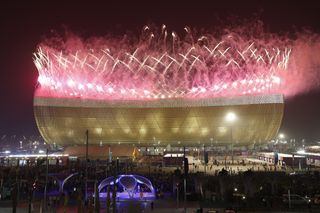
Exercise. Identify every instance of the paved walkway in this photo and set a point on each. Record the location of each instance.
(160, 206)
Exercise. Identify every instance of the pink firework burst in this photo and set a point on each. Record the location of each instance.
(162, 67)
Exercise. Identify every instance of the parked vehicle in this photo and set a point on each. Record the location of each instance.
(316, 199)
(295, 199)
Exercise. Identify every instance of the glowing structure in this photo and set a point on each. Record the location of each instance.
(160, 90)
(159, 122)
(129, 187)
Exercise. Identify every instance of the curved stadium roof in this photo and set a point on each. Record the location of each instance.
(168, 121)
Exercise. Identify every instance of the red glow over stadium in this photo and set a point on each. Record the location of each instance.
(163, 67)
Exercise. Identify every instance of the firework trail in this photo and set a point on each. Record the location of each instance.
(160, 66)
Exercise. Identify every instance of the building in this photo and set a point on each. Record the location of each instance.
(282, 159)
(178, 122)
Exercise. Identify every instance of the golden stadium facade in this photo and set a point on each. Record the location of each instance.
(164, 121)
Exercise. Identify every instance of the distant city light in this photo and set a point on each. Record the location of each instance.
(302, 151)
(36, 155)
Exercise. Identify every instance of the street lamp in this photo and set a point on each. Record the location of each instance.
(281, 136)
(231, 117)
(46, 183)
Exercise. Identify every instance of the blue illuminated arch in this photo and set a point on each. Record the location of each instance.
(131, 185)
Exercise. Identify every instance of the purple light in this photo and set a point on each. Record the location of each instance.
(131, 186)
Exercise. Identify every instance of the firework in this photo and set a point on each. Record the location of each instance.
(159, 67)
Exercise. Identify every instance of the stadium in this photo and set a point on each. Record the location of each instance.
(154, 94)
(161, 122)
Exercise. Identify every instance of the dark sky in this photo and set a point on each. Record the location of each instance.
(25, 23)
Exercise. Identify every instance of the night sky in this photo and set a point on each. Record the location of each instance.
(25, 24)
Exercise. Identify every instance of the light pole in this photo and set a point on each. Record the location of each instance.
(211, 149)
(186, 168)
(231, 117)
(281, 137)
(46, 183)
(177, 186)
(86, 174)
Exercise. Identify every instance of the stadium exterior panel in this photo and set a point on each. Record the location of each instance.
(159, 122)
